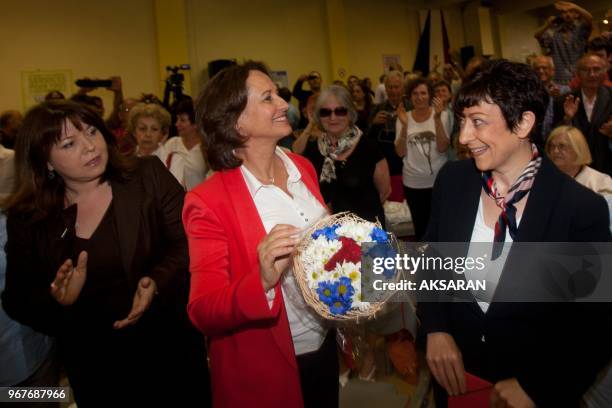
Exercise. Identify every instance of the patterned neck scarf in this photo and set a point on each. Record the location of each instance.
(517, 191)
(330, 153)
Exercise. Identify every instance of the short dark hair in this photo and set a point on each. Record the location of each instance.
(442, 83)
(185, 107)
(37, 193)
(218, 108)
(411, 85)
(513, 86)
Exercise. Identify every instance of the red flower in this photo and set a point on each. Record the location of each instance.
(349, 252)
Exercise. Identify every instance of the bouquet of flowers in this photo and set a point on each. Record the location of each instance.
(327, 266)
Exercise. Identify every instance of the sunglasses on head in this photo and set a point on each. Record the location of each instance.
(339, 111)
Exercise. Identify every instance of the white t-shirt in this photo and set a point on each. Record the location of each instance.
(192, 169)
(380, 94)
(422, 160)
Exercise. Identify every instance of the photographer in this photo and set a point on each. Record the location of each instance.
(314, 81)
(118, 120)
(565, 38)
(382, 129)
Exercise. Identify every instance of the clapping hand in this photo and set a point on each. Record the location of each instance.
(438, 105)
(380, 118)
(68, 282)
(142, 301)
(570, 106)
(402, 115)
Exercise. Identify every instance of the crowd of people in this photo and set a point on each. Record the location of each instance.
(154, 247)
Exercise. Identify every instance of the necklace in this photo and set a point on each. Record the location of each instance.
(270, 179)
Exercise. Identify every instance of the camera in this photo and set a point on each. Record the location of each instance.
(93, 83)
(558, 21)
(174, 83)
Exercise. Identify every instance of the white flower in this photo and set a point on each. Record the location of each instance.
(359, 232)
(318, 252)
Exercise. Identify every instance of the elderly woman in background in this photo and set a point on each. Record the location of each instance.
(267, 348)
(422, 138)
(149, 124)
(568, 149)
(508, 193)
(97, 256)
(353, 173)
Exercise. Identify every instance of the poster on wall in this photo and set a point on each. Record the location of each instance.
(280, 78)
(36, 84)
(390, 60)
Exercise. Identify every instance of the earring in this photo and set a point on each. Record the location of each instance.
(51, 174)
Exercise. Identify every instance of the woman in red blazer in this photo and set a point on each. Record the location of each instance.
(237, 266)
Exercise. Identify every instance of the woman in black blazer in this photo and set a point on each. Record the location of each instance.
(97, 256)
(535, 353)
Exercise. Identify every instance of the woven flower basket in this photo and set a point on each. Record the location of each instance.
(310, 294)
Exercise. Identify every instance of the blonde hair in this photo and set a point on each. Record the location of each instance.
(576, 140)
(149, 110)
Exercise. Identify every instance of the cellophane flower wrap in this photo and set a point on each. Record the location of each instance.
(327, 265)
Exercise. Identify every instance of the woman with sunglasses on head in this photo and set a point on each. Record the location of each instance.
(353, 173)
(422, 139)
(97, 257)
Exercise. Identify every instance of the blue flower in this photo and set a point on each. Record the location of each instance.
(328, 232)
(326, 292)
(344, 290)
(379, 235)
(339, 307)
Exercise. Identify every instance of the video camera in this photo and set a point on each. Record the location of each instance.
(174, 83)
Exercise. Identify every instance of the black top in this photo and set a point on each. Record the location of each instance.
(106, 293)
(529, 341)
(140, 235)
(353, 189)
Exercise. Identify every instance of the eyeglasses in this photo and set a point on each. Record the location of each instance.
(339, 111)
(594, 70)
(562, 147)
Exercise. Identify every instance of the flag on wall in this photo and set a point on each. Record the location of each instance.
(445, 42)
(421, 61)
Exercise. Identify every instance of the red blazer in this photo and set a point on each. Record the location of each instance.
(251, 351)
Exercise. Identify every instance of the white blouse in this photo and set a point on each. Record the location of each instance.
(482, 233)
(302, 210)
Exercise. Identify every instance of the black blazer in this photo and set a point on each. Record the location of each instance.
(554, 350)
(152, 242)
(598, 142)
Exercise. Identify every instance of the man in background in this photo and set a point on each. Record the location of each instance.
(10, 122)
